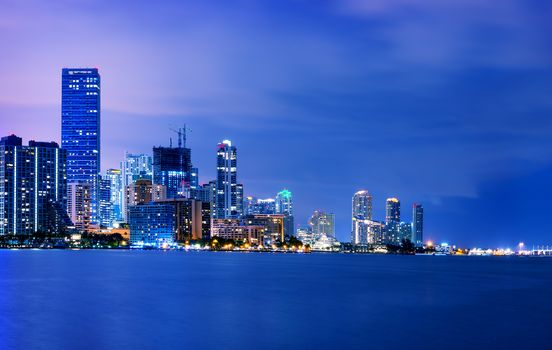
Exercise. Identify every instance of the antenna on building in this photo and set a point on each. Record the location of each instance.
(170, 142)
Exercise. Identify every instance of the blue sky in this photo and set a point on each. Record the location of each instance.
(444, 102)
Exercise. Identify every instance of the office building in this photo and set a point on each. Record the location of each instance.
(172, 167)
(33, 187)
(167, 221)
(80, 128)
(229, 194)
(417, 224)
(104, 203)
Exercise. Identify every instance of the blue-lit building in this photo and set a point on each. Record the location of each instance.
(104, 202)
(117, 194)
(33, 187)
(134, 167)
(229, 194)
(417, 224)
(80, 128)
(284, 205)
(152, 223)
(169, 221)
(172, 168)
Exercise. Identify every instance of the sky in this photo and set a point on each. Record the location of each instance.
(442, 102)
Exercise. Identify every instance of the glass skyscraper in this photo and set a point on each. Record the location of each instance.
(417, 224)
(172, 168)
(229, 194)
(33, 187)
(362, 217)
(80, 128)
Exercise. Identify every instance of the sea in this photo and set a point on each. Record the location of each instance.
(120, 299)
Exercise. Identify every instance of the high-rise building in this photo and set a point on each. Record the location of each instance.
(33, 187)
(134, 167)
(172, 168)
(115, 177)
(229, 194)
(274, 225)
(104, 202)
(405, 231)
(80, 128)
(284, 205)
(417, 224)
(361, 217)
(143, 192)
(322, 224)
(253, 205)
(392, 221)
(79, 205)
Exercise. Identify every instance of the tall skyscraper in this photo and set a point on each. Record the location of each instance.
(33, 187)
(80, 128)
(135, 167)
(104, 202)
(392, 210)
(79, 205)
(229, 195)
(361, 217)
(392, 221)
(172, 168)
(417, 224)
(284, 205)
(322, 224)
(115, 177)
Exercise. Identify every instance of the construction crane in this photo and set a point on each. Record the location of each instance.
(181, 132)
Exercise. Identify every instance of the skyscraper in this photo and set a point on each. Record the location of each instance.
(392, 210)
(322, 224)
(115, 177)
(392, 221)
(80, 128)
(104, 202)
(417, 224)
(134, 167)
(361, 217)
(33, 187)
(172, 168)
(229, 200)
(284, 205)
(79, 205)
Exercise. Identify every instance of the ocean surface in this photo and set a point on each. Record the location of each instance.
(101, 299)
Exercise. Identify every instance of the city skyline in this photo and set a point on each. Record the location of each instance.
(446, 139)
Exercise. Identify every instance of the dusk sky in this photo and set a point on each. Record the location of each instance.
(446, 103)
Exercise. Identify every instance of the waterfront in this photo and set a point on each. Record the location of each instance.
(102, 299)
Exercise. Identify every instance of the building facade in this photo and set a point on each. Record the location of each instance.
(284, 206)
(80, 128)
(417, 224)
(79, 205)
(33, 187)
(229, 194)
(322, 224)
(115, 177)
(361, 216)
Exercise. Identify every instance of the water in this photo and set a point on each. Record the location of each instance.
(176, 300)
